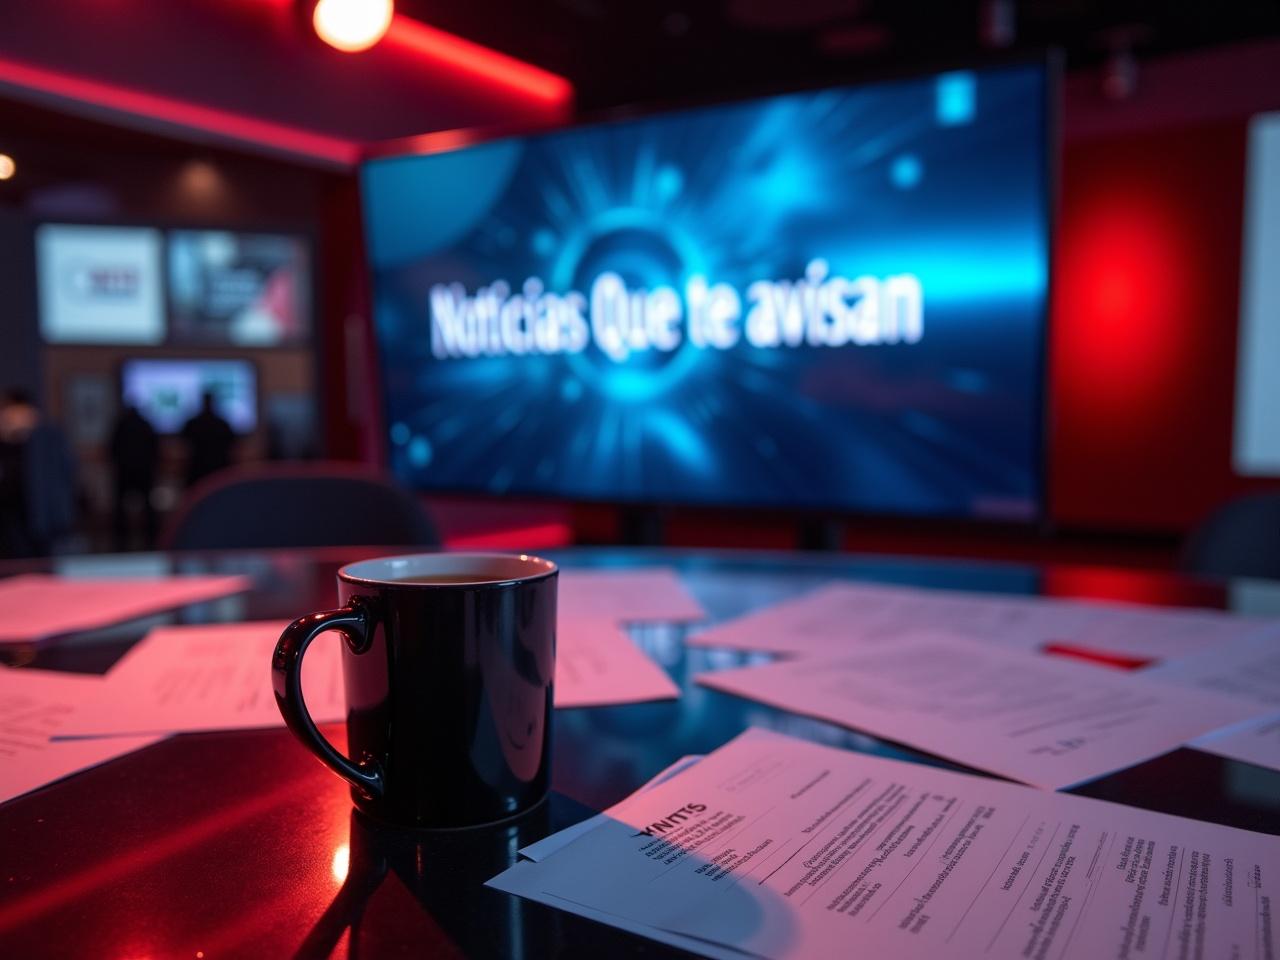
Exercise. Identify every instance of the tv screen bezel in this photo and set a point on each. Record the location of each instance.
(1049, 61)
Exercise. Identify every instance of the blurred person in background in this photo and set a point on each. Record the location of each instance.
(135, 451)
(37, 479)
(209, 439)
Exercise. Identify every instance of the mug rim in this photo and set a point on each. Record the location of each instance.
(551, 569)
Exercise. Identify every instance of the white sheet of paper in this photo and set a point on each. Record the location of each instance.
(34, 706)
(556, 842)
(207, 677)
(52, 605)
(597, 664)
(625, 596)
(843, 613)
(783, 848)
(1045, 721)
(1247, 670)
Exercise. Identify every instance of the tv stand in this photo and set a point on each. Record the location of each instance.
(821, 534)
(641, 526)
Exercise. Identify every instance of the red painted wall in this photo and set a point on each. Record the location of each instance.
(1146, 298)
(1143, 345)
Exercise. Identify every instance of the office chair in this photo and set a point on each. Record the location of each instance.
(298, 505)
(1239, 539)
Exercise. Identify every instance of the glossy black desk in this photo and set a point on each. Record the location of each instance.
(241, 845)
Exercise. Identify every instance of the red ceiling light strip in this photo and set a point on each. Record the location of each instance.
(166, 110)
(511, 77)
(514, 76)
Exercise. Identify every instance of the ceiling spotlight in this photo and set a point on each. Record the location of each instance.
(7, 167)
(352, 25)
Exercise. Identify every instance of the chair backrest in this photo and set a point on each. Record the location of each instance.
(1240, 539)
(298, 505)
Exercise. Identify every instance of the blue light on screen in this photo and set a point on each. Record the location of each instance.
(827, 299)
(957, 98)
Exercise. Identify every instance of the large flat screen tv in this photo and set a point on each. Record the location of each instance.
(828, 300)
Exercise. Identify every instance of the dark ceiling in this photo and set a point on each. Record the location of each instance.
(615, 53)
(618, 52)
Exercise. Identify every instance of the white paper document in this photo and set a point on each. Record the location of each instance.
(1248, 670)
(841, 614)
(597, 664)
(208, 677)
(625, 596)
(34, 706)
(52, 605)
(781, 848)
(557, 841)
(1044, 721)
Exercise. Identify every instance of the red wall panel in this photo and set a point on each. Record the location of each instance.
(1143, 344)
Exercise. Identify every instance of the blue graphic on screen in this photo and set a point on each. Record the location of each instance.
(831, 299)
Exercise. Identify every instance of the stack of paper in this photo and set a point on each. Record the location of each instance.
(1249, 672)
(780, 848)
(597, 664)
(1045, 721)
(46, 606)
(216, 677)
(207, 677)
(35, 705)
(959, 675)
(625, 596)
(844, 613)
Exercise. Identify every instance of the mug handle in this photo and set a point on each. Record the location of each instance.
(355, 622)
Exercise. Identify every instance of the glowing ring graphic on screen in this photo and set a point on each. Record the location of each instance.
(634, 243)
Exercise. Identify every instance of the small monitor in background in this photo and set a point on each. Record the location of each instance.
(169, 392)
(238, 289)
(99, 285)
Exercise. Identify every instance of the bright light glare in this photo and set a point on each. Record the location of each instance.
(341, 861)
(352, 25)
(7, 167)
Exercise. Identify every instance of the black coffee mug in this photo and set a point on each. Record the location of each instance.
(448, 662)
